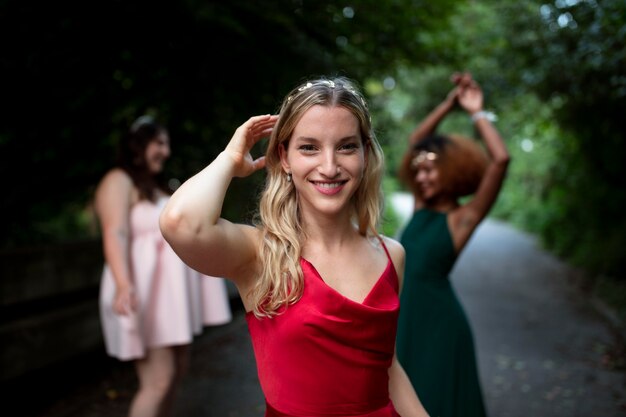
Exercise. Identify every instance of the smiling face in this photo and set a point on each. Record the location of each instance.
(428, 180)
(157, 152)
(326, 158)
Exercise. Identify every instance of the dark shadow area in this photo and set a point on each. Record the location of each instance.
(38, 392)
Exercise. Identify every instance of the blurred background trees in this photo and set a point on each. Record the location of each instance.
(74, 75)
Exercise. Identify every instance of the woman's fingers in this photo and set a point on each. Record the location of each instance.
(251, 131)
(245, 137)
(264, 125)
(125, 303)
(258, 127)
(121, 307)
(259, 163)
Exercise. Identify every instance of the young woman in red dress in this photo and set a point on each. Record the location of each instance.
(318, 282)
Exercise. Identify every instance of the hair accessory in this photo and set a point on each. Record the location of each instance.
(140, 121)
(330, 84)
(423, 156)
(289, 177)
(304, 87)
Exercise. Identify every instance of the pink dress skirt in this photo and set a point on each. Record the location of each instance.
(175, 301)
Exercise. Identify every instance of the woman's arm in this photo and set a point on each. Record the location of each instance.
(429, 124)
(427, 127)
(113, 201)
(403, 396)
(401, 390)
(191, 221)
(473, 212)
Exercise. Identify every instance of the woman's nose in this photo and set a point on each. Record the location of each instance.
(329, 165)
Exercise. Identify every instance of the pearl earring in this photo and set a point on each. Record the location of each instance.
(289, 177)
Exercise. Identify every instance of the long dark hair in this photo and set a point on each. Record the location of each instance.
(131, 157)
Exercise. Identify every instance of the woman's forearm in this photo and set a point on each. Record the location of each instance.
(493, 142)
(197, 203)
(115, 245)
(430, 123)
(190, 221)
(403, 396)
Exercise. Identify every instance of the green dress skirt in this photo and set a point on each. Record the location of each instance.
(434, 341)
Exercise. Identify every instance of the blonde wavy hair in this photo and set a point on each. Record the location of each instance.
(281, 282)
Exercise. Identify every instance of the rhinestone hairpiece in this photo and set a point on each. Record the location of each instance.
(421, 157)
(330, 84)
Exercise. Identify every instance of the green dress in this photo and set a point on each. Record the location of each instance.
(434, 341)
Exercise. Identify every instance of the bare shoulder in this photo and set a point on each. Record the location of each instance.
(396, 250)
(392, 244)
(252, 233)
(245, 269)
(462, 222)
(115, 177)
(247, 241)
(398, 256)
(115, 188)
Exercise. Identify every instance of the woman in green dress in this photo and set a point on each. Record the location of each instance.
(434, 341)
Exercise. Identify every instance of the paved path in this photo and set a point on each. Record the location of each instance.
(542, 348)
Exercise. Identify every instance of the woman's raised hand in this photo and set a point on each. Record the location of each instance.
(245, 137)
(461, 79)
(471, 98)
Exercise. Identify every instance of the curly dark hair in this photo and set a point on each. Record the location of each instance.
(460, 160)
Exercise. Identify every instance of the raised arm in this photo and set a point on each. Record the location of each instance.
(428, 126)
(471, 99)
(191, 221)
(430, 123)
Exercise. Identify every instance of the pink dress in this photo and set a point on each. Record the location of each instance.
(175, 301)
(326, 355)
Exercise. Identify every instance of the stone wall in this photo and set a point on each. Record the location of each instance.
(49, 304)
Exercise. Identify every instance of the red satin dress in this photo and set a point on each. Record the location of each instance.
(327, 355)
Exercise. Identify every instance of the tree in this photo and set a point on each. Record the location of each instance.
(574, 55)
(75, 75)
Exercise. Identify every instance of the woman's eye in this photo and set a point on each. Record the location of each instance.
(349, 147)
(307, 148)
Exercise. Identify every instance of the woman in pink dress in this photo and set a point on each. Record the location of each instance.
(319, 284)
(151, 303)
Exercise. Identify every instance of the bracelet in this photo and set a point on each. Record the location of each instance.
(484, 115)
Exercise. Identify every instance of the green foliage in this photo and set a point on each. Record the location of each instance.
(392, 220)
(554, 74)
(532, 139)
(574, 54)
(76, 74)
